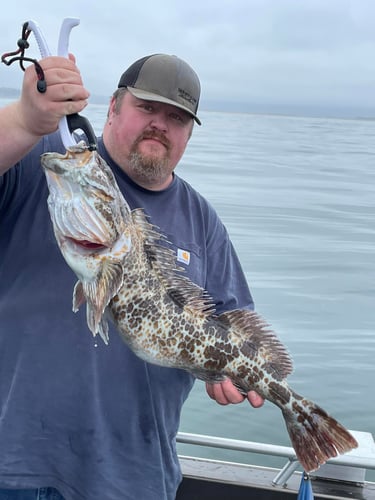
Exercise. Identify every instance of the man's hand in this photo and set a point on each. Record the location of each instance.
(226, 393)
(25, 121)
(40, 112)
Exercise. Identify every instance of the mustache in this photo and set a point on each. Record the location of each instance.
(155, 134)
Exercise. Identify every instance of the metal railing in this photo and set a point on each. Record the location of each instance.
(363, 457)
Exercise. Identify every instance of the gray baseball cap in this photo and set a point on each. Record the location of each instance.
(164, 78)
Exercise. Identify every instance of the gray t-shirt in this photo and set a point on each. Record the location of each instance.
(91, 420)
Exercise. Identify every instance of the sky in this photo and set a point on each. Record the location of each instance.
(287, 56)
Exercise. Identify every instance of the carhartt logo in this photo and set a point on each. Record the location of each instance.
(183, 256)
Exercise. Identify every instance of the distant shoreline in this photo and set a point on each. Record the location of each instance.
(310, 111)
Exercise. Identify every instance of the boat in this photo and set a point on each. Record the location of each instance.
(342, 477)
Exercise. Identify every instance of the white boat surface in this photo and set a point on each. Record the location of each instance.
(343, 477)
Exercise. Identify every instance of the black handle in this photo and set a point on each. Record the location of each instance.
(76, 122)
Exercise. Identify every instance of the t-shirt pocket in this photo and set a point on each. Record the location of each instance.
(190, 257)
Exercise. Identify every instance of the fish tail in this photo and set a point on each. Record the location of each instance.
(315, 435)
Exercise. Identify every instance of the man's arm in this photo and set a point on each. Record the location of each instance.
(23, 123)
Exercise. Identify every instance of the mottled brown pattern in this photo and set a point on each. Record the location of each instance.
(248, 349)
(281, 395)
(167, 320)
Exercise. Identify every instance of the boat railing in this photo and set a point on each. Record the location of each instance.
(362, 458)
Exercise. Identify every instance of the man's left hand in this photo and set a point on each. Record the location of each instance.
(226, 393)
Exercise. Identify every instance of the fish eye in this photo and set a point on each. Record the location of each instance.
(99, 193)
(103, 195)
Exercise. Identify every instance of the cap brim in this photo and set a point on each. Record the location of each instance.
(149, 96)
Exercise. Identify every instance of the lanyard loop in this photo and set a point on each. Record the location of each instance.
(23, 44)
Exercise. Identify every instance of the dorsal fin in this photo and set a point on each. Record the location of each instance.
(255, 336)
(162, 260)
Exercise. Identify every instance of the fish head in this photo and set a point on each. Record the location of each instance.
(85, 202)
(89, 216)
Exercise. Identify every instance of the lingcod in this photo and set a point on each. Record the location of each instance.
(128, 274)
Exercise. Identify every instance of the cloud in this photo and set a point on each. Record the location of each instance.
(248, 53)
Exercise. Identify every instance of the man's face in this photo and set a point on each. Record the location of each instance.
(147, 139)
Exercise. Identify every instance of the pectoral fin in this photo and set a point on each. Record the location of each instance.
(98, 294)
(78, 296)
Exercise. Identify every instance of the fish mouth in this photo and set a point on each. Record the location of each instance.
(86, 244)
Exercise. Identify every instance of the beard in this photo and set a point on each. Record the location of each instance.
(149, 169)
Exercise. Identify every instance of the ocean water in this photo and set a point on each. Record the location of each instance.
(298, 198)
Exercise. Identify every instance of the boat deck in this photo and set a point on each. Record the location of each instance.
(342, 478)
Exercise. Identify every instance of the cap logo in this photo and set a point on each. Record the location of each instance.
(186, 96)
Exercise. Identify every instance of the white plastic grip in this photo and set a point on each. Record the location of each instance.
(62, 50)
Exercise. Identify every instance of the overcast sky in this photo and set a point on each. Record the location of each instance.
(252, 54)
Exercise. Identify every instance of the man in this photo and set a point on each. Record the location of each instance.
(80, 419)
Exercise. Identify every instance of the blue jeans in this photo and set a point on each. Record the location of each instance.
(33, 494)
